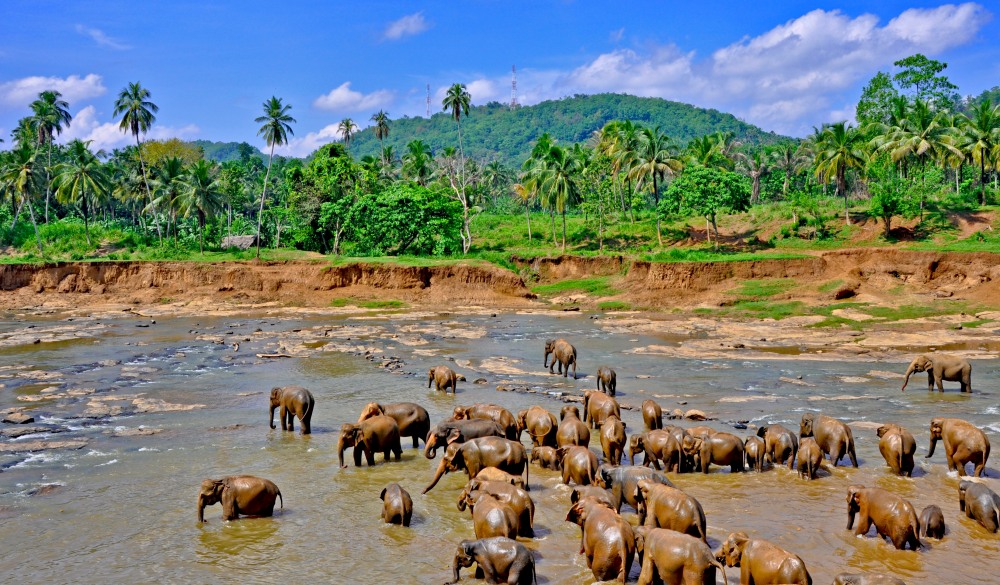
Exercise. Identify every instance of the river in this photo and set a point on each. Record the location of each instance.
(122, 508)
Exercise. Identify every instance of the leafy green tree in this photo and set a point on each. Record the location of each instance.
(347, 128)
(138, 114)
(418, 162)
(276, 129)
(655, 160)
(168, 184)
(406, 218)
(875, 104)
(558, 185)
(202, 196)
(81, 180)
(22, 177)
(381, 120)
(708, 191)
(922, 77)
(889, 192)
(754, 164)
(457, 101)
(979, 138)
(50, 113)
(323, 193)
(838, 147)
(790, 160)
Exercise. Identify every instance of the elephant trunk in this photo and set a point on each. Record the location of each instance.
(961, 503)
(437, 477)
(430, 446)
(930, 450)
(270, 418)
(906, 380)
(340, 453)
(455, 566)
(201, 508)
(850, 517)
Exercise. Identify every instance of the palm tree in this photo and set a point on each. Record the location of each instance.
(755, 165)
(347, 128)
(838, 148)
(21, 177)
(50, 113)
(980, 139)
(525, 196)
(417, 162)
(532, 173)
(137, 113)
(789, 159)
(276, 129)
(202, 195)
(81, 180)
(558, 183)
(381, 120)
(655, 160)
(457, 101)
(623, 140)
(168, 184)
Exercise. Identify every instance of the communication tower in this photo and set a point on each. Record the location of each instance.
(513, 86)
(428, 100)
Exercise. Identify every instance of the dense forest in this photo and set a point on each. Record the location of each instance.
(632, 175)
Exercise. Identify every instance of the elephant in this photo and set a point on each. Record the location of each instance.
(293, 401)
(541, 425)
(500, 560)
(513, 496)
(866, 579)
(613, 439)
(687, 462)
(572, 430)
(941, 367)
(490, 516)
(494, 474)
(397, 505)
(980, 503)
(963, 443)
(932, 523)
(598, 406)
(652, 415)
(761, 562)
(662, 506)
(621, 482)
(493, 412)
(412, 419)
(443, 378)
(562, 352)
(810, 458)
(378, 434)
(833, 436)
(606, 539)
(240, 494)
(607, 380)
(458, 431)
(719, 448)
(578, 464)
(475, 454)
(669, 557)
(657, 445)
(701, 430)
(894, 517)
(546, 457)
(780, 445)
(754, 451)
(897, 446)
(591, 491)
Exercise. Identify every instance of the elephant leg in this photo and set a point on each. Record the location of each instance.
(398, 450)
(283, 415)
(930, 380)
(357, 455)
(230, 511)
(416, 441)
(291, 419)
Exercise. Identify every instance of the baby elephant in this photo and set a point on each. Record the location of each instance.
(239, 494)
(980, 503)
(866, 579)
(607, 380)
(293, 401)
(932, 523)
(500, 560)
(893, 517)
(397, 506)
(546, 458)
(443, 378)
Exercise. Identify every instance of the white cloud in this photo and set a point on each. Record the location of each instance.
(21, 92)
(409, 25)
(344, 99)
(305, 145)
(100, 38)
(616, 35)
(107, 135)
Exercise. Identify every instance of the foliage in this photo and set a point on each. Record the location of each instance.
(598, 286)
(405, 219)
(707, 191)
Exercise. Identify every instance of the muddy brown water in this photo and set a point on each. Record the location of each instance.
(122, 508)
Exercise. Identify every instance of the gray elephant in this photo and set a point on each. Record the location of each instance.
(563, 353)
(621, 481)
(293, 401)
(443, 378)
(499, 560)
(397, 505)
(979, 503)
(941, 367)
(412, 419)
(932, 523)
(240, 494)
(897, 446)
(833, 436)
(378, 434)
(607, 380)
(667, 556)
(780, 445)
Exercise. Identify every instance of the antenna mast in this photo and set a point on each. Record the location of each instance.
(513, 86)
(428, 100)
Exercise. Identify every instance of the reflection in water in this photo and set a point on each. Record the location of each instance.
(251, 542)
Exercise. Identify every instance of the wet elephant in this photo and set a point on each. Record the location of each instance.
(622, 480)
(754, 451)
(718, 448)
(866, 579)
(657, 445)
(494, 474)
(499, 560)
(598, 406)
(578, 464)
(932, 523)
(652, 415)
(572, 430)
(591, 491)
(662, 506)
(513, 496)
(563, 353)
(780, 445)
(412, 419)
(397, 505)
(941, 367)
(810, 458)
(963, 443)
(292, 401)
(476, 454)
(493, 412)
(607, 380)
(541, 425)
(834, 437)
(613, 439)
(490, 516)
(245, 495)
(897, 446)
(673, 558)
(378, 434)
(894, 517)
(980, 503)
(546, 458)
(443, 378)
(761, 562)
(458, 431)
(607, 539)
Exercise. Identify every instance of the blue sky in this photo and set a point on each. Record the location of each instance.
(785, 66)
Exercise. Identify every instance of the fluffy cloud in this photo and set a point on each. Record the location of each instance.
(21, 92)
(100, 38)
(345, 99)
(306, 145)
(86, 125)
(410, 25)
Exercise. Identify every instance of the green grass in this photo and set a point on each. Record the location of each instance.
(828, 287)
(614, 306)
(368, 304)
(599, 286)
(906, 312)
(976, 323)
(762, 289)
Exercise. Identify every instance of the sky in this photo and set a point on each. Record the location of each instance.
(786, 66)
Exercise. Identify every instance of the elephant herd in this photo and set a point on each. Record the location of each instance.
(484, 442)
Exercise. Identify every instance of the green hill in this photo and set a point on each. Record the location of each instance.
(226, 151)
(497, 131)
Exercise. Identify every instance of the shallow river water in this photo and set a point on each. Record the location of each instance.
(122, 509)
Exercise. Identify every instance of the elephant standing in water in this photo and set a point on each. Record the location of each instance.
(762, 562)
(833, 436)
(412, 419)
(499, 560)
(780, 445)
(379, 434)
(240, 494)
(652, 415)
(541, 425)
(477, 454)
(562, 352)
(458, 431)
(572, 430)
(397, 505)
(667, 556)
(893, 517)
(607, 380)
(443, 378)
(963, 443)
(897, 446)
(941, 367)
(980, 503)
(293, 401)
(606, 539)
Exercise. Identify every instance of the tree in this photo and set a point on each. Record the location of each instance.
(50, 113)
(789, 159)
(405, 218)
(276, 129)
(202, 195)
(875, 104)
(525, 196)
(137, 112)
(457, 101)
(921, 76)
(838, 148)
(21, 177)
(558, 186)
(708, 191)
(655, 160)
(417, 162)
(889, 192)
(980, 139)
(82, 176)
(754, 165)
(347, 128)
(168, 184)
(381, 120)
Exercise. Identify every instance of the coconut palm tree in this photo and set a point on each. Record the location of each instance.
(655, 160)
(276, 129)
(137, 112)
(381, 120)
(202, 195)
(457, 100)
(754, 165)
(168, 184)
(81, 180)
(558, 183)
(347, 128)
(417, 162)
(980, 139)
(22, 178)
(525, 196)
(532, 171)
(838, 148)
(623, 139)
(789, 159)
(50, 113)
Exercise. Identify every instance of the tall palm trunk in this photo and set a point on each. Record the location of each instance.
(552, 221)
(842, 188)
(564, 231)
(656, 198)
(149, 194)
(48, 181)
(982, 180)
(86, 213)
(31, 213)
(260, 213)
(527, 216)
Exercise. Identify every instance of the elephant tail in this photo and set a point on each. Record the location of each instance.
(720, 566)
(282, 499)
(526, 467)
(307, 415)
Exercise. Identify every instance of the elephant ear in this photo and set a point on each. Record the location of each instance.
(381, 496)
(637, 494)
(453, 436)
